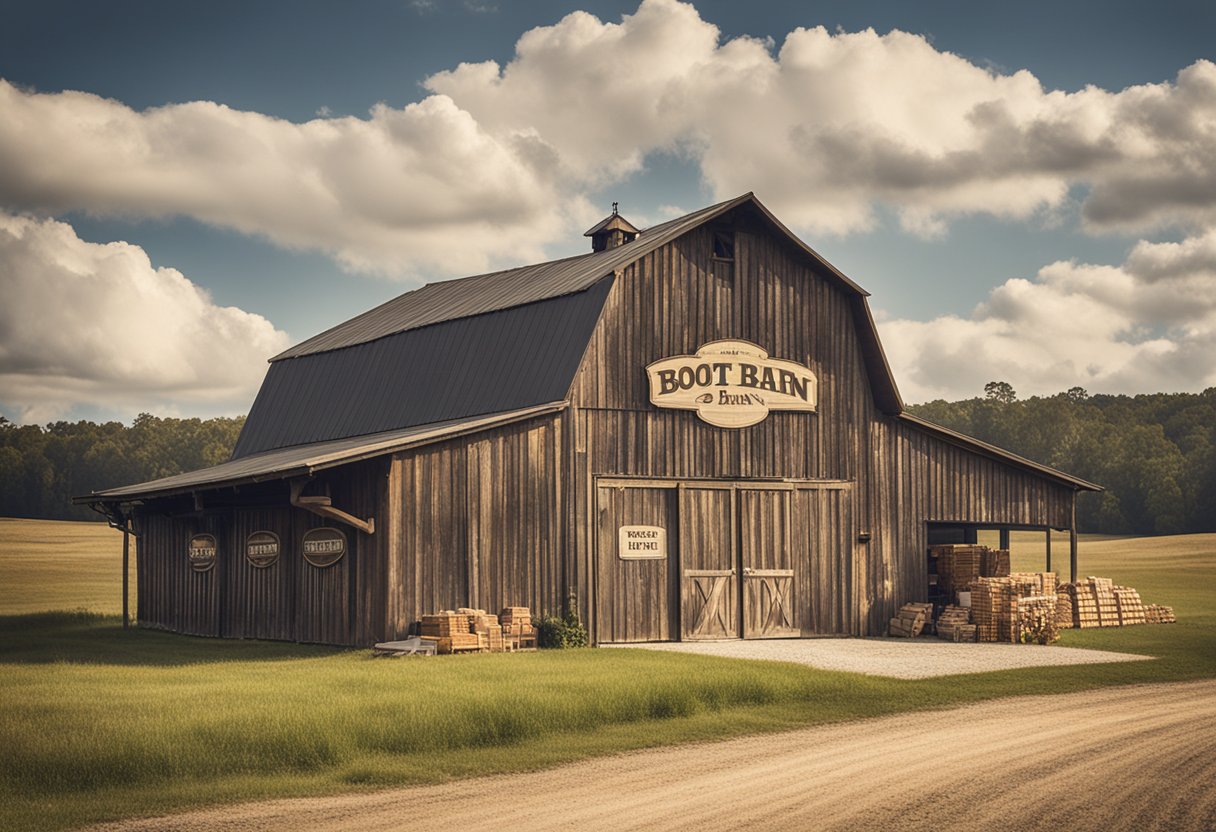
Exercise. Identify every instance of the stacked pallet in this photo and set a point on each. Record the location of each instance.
(995, 563)
(1034, 583)
(954, 624)
(472, 630)
(1064, 618)
(1130, 607)
(1104, 598)
(994, 615)
(911, 620)
(1158, 614)
(1084, 605)
(957, 566)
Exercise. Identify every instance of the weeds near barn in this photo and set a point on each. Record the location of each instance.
(100, 723)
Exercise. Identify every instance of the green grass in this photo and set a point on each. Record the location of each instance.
(99, 723)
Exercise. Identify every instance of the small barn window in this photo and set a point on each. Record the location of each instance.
(724, 246)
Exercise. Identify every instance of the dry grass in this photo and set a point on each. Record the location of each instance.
(61, 565)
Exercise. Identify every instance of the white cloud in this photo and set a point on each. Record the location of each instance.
(89, 323)
(424, 187)
(834, 124)
(493, 166)
(1149, 324)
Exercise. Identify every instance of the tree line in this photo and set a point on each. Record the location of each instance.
(1155, 454)
(43, 467)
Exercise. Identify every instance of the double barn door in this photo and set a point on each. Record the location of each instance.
(737, 571)
(728, 570)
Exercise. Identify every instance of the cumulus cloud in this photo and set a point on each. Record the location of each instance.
(493, 165)
(423, 187)
(834, 124)
(1149, 324)
(90, 323)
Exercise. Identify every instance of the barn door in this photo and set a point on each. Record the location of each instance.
(709, 586)
(636, 592)
(766, 562)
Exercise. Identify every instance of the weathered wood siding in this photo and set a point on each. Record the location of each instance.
(677, 298)
(290, 600)
(476, 522)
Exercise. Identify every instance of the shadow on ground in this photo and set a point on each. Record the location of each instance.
(81, 637)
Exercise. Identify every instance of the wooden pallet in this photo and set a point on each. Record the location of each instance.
(1129, 605)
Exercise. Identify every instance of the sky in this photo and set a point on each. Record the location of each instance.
(186, 189)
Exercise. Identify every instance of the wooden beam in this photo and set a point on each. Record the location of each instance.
(126, 561)
(1048, 568)
(321, 507)
(1072, 541)
(1004, 538)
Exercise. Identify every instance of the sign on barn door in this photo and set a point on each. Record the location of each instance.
(766, 563)
(709, 587)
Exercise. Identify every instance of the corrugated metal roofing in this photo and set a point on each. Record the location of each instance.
(305, 459)
(490, 363)
(462, 298)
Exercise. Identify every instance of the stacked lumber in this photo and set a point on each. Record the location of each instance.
(470, 630)
(1158, 614)
(1084, 605)
(994, 615)
(1063, 609)
(911, 620)
(517, 629)
(954, 624)
(1034, 583)
(1131, 608)
(995, 563)
(958, 564)
(1036, 619)
(1104, 598)
(444, 624)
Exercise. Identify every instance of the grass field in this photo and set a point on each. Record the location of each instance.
(99, 723)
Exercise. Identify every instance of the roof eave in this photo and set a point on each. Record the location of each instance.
(309, 467)
(971, 443)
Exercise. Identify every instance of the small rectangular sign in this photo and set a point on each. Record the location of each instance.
(642, 543)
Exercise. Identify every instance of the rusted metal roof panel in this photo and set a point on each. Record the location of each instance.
(488, 363)
(301, 460)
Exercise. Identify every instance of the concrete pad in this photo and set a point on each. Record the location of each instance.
(897, 658)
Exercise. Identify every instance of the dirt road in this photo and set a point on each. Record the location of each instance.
(1117, 759)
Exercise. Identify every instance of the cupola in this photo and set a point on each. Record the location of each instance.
(612, 231)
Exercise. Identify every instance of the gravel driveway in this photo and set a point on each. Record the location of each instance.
(898, 658)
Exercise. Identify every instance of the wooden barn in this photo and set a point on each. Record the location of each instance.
(689, 432)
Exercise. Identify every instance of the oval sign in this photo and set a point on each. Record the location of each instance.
(202, 552)
(262, 549)
(324, 546)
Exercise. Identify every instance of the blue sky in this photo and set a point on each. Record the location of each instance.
(974, 255)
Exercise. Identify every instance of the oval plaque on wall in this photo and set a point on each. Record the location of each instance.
(324, 546)
(262, 549)
(202, 552)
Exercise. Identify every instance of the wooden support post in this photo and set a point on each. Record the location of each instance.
(1004, 537)
(1048, 569)
(126, 562)
(1072, 541)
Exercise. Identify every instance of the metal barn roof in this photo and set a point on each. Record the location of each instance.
(499, 361)
(307, 459)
